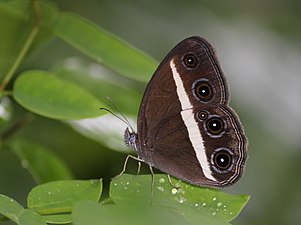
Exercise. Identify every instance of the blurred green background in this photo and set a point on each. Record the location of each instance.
(259, 48)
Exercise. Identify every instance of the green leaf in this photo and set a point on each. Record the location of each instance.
(104, 47)
(190, 200)
(10, 208)
(102, 83)
(16, 22)
(16, 213)
(55, 200)
(42, 163)
(46, 95)
(94, 214)
(29, 216)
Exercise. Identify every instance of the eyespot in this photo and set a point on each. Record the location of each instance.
(215, 126)
(203, 90)
(222, 160)
(190, 60)
(202, 115)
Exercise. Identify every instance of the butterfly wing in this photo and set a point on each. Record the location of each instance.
(171, 136)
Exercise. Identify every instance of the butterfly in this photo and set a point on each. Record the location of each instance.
(186, 127)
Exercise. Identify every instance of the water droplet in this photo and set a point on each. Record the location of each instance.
(214, 199)
(127, 183)
(160, 188)
(115, 184)
(204, 204)
(161, 180)
(231, 213)
(49, 192)
(25, 163)
(181, 199)
(196, 204)
(214, 214)
(219, 204)
(12, 200)
(174, 191)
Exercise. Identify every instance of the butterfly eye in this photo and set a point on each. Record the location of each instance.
(215, 126)
(204, 91)
(190, 60)
(222, 160)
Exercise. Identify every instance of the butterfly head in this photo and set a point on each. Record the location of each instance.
(131, 138)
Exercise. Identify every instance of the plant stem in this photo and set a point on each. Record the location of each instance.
(18, 125)
(25, 48)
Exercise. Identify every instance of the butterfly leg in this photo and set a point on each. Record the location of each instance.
(139, 167)
(153, 181)
(171, 183)
(125, 164)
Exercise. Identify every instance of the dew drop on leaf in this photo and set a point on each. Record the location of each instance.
(160, 188)
(161, 180)
(24, 163)
(181, 199)
(174, 191)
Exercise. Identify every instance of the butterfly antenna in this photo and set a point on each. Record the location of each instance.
(109, 111)
(122, 118)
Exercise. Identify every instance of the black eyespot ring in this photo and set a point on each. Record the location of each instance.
(202, 115)
(190, 60)
(215, 126)
(222, 160)
(203, 90)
